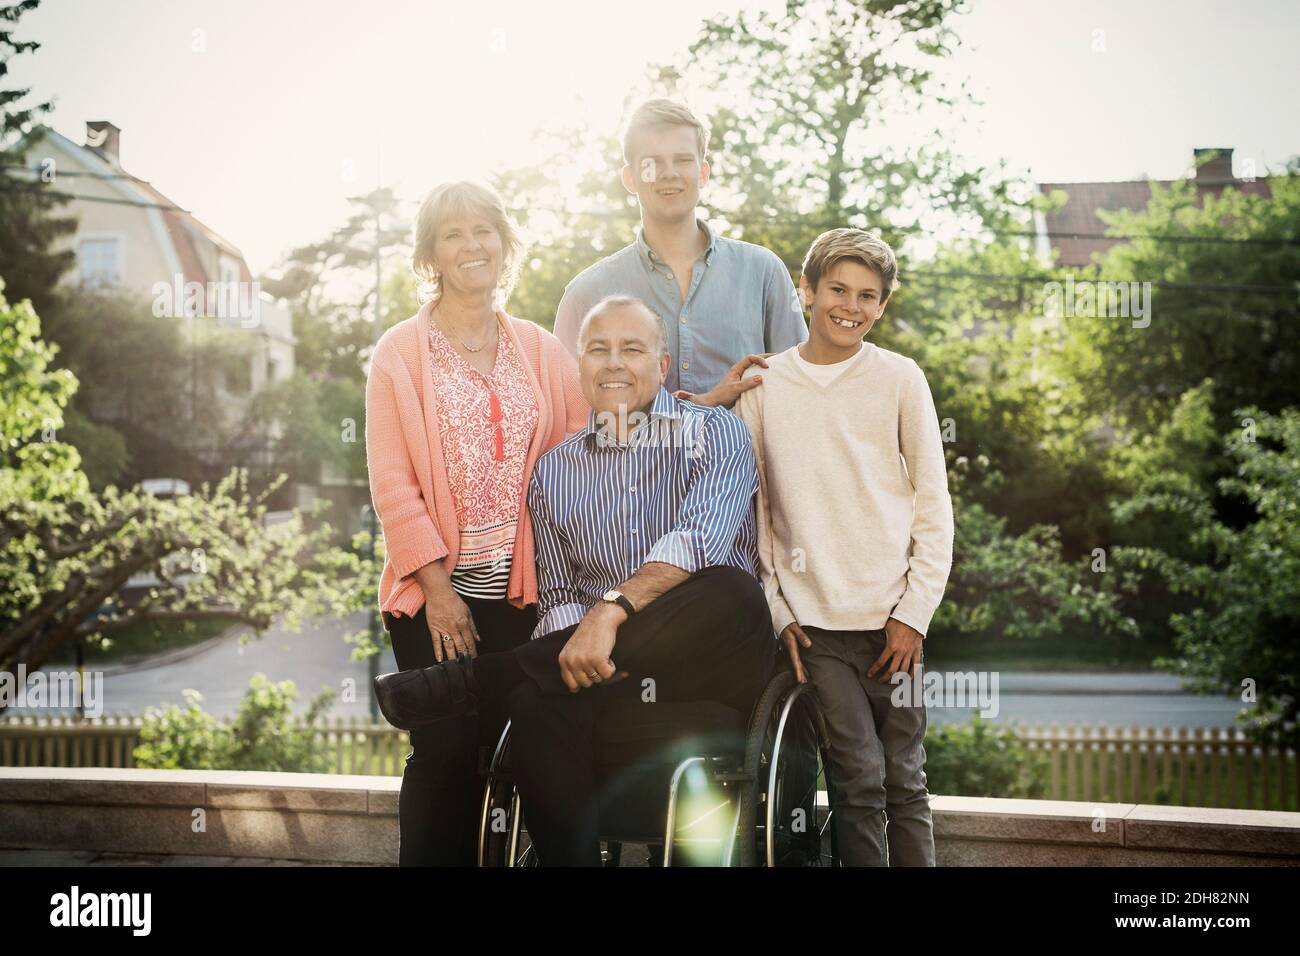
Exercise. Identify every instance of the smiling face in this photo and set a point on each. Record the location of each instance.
(847, 302)
(666, 172)
(619, 360)
(468, 253)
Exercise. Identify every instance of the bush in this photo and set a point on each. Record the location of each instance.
(1236, 631)
(264, 735)
(976, 760)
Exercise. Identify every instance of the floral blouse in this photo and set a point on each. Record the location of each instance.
(486, 423)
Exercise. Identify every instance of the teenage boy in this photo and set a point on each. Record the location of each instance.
(855, 540)
(724, 302)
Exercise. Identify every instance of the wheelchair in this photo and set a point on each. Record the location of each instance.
(709, 785)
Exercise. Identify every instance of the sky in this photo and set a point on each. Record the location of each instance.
(262, 117)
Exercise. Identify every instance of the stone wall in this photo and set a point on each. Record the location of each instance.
(353, 819)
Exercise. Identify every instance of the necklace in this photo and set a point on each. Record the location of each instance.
(466, 345)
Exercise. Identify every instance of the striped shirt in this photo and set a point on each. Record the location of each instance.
(681, 492)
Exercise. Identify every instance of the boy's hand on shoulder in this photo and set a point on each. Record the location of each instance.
(793, 638)
(901, 654)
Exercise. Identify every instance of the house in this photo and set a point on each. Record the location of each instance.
(1073, 230)
(132, 238)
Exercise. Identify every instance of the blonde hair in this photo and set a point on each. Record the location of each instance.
(856, 245)
(659, 113)
(455, 200)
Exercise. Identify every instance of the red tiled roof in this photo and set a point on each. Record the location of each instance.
(183, 228)
(1079, 214)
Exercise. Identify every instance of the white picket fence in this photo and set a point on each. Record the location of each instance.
(1208, 767)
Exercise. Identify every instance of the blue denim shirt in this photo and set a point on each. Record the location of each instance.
(741, 301)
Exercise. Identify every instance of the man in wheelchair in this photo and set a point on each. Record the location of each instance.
(646, 549)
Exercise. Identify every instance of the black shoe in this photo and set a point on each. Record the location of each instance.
(416, 698)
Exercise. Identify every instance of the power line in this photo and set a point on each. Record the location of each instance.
(80, 198)
(908, 273)
(810, 225)
(796, 223)
(74, 172)
(1292, 290)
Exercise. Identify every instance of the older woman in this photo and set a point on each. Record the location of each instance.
(461, 399)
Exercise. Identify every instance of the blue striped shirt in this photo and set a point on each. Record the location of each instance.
(681, 491)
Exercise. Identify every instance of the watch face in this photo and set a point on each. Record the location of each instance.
(610, 596)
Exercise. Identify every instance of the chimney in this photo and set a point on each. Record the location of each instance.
(105, 139)
(1213, 165)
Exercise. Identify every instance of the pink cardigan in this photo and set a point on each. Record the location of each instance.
(408, 478)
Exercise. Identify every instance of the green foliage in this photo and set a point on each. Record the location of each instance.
(264, 735)
(30, 257)
(104, 455)
(574, 210)
(32, 394)
(173, 738)
(307, 421)
(805, 94)
(66, 552)
(1247, 339)
(1019, 586)
(1180, 456)
(157, 382)
(1237, 634)
(977, 760)
(987, 358)
(795, 100)
(330, 286)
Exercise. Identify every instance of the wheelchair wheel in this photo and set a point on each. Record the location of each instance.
(502, 839)
(780, 822)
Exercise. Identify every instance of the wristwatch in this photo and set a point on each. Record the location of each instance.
(617, 597)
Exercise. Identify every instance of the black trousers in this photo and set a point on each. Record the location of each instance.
(442, 790)
(709, 638)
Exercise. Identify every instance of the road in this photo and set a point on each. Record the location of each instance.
(220, 669)
(317, 657)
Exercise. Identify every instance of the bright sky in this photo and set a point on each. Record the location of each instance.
(261, 117)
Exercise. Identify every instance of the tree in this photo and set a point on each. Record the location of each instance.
(330, 286)
(1238, 631)
(148, 384)
(1020, 586)
(574, 209)
(1247, 339)
(66, 553)
(797, 103)
(29, 227)
(307, 421)
(808, 125)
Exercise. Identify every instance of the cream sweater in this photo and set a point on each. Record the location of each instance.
(854, 520)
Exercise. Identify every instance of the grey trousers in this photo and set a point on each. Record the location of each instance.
(877, 757)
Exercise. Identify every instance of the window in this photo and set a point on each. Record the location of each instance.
(99, 260)
(229, 271)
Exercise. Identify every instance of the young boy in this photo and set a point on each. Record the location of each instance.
(855, 540)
